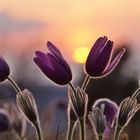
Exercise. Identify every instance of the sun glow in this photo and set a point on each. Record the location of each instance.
(80, 54)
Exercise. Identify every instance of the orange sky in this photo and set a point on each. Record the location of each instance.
(77, 23)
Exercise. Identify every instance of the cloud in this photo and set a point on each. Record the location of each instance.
(8, 23)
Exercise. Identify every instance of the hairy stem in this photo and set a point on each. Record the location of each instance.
(72, 87)
(38, 130)
(85, 83)
(100, 137)
(82, 128)
(117, 133)
(70, 130)
(14, 85)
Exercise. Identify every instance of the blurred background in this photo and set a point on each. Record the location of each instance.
(73, 26)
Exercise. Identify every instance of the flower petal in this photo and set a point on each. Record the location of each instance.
(55, 73)
(4, 69)
(44, 58)
(98, 66)
(61, 69)
(114, 63)
(53, 49)
(46, 70)
(96, 49)
(110, 109)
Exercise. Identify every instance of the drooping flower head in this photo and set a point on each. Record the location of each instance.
(110, 109)
(98, 121)
(127, 110)
(53, 65)
(27, 106)
(99, 63)
(4, 69)
(78, 100)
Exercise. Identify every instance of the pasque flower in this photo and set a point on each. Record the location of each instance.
(53, 65)
(79, 102)
(110, 109)
(4, 69)
(28, 107)
(99, 63)
(98, 121)
(127, 109)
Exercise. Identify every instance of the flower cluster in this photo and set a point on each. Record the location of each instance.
(53, 65)
(99, 64)
(105, 114)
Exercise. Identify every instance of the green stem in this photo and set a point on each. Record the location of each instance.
(38, 130)
(100, 136)
(117, 132)
(70, 130)
(14, 85)
(82, 128)
(85, 83)
(72, 87)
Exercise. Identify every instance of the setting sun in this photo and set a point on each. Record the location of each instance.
(80, 54)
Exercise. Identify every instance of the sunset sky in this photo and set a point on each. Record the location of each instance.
(70, 24)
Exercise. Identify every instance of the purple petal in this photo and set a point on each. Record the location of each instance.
(41, 55)
(96, 49)
(4, 69)
(46, 70)
(60, 60)
(110, 109)
(56, 73)
(114, 63)
(97, 67)
(53, 49)
(60, 68)
(44, 58)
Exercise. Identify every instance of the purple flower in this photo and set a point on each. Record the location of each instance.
(53, 65)
(4, 69)
(99, 63)
(110, 109)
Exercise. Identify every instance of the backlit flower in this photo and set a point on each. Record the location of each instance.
(78, 100)
(27, 105)
(98, 121)
(110, 109)
(127, 110)
(99, 62)
(4, 69)
(53, 65)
